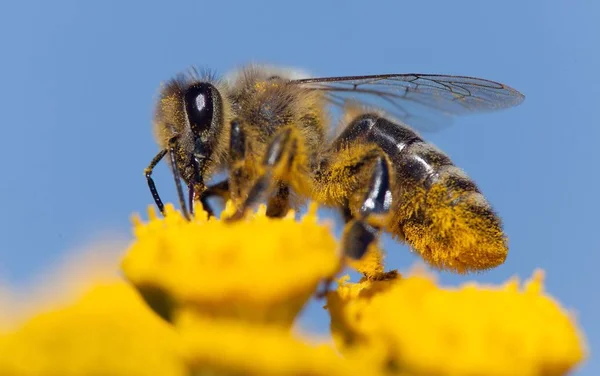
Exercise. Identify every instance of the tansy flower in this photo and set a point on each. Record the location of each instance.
(109, 331)
(226, 347)
(259, 269)
(419, 328)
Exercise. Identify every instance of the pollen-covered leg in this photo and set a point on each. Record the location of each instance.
(365, 207)
(283, 165)
(279, 204)
(374, 207)
(355, 176)
(196, 185)
(238, 168)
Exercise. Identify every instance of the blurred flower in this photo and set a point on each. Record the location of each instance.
(259, 269)
(235, 348)
(60, 283)
(422, 329)
(109, 331)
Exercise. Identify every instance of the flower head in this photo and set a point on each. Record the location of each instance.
(423, 329)
(109, 331)
(259, 269)
(232, 347)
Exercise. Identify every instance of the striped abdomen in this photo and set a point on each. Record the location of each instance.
(437, 209)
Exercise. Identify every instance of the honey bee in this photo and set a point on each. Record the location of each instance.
(267, 128)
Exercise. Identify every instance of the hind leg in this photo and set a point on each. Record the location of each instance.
(364, 206)
(357, 179)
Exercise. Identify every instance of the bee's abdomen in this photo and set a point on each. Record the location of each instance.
(438, 210)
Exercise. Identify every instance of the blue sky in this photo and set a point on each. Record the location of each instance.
(79, 80)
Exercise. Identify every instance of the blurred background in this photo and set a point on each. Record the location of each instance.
(79, 81)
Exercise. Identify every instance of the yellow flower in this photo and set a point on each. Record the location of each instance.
(68, 277)
(258, 269)
(422, 329)
(110, 331)
(235, 348)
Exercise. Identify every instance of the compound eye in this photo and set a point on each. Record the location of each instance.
(199, 106)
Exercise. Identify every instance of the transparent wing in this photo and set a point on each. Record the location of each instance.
(427, 101)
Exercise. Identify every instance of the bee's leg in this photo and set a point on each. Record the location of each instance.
(278, 161)
(148, 172)
(356, 176)
(220, 189)
(239, 168)
(364, 229)
(177, 177)
(346, 212)
(197, 188)
(191, 197)
(279, 204)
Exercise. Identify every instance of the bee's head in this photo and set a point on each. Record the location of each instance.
(202, 106)
(190, 114)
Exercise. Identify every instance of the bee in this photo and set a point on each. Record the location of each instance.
(268, 129)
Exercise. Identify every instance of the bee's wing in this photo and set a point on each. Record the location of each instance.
(427, 101)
